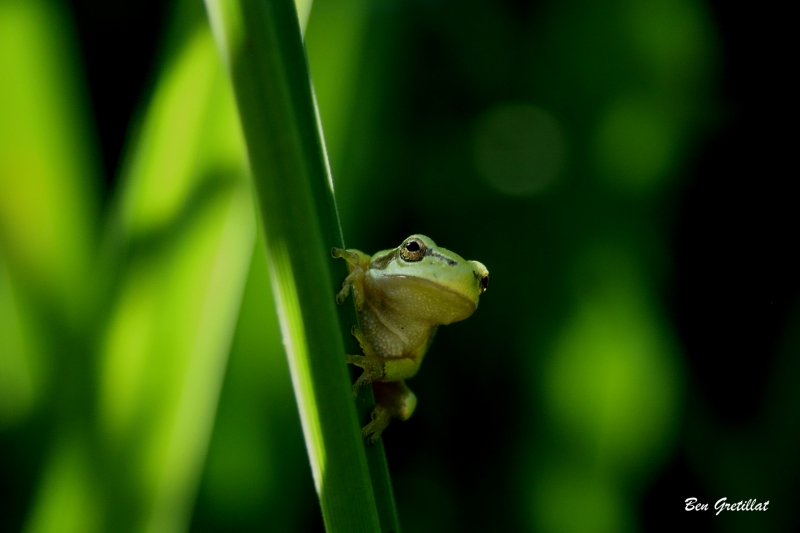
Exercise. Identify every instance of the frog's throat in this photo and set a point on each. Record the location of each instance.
(439, 287)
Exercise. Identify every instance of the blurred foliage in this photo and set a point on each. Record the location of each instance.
(143, 384)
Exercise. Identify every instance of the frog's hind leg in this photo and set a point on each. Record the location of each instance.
(393, 399)
(396, 397)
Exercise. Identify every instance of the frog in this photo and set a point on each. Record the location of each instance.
(402, 295)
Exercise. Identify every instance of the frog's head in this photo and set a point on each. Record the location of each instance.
(441, 279)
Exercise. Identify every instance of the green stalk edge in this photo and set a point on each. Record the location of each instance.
(261, 45)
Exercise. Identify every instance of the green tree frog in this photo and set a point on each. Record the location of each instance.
(402, 295)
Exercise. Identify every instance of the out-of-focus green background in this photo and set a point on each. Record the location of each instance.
(619, 167)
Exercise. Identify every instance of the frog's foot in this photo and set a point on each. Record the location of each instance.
(381, 416)
(392, 400)
(373, 370)
(351, 256)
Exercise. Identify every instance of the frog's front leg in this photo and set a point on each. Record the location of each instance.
(357, 264)
(393, 399)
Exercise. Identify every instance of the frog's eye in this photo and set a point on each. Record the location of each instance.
(412, 250)
(484, 283)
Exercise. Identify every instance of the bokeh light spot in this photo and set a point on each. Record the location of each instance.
(612, 382)
(672, 37)
(635, 145)
(518, 148)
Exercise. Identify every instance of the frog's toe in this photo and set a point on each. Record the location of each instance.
(347, 284)
(365, 377)
(372, 438)
(380, 421)
(361, 362)
(355, 331)
(342, 295)
(357, 360)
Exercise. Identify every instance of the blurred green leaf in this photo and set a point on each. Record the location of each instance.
(48, 166)
(188, 226)
(178, 259)
(48, 231)
(48, 203)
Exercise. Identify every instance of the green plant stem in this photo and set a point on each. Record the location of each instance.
(260, 43)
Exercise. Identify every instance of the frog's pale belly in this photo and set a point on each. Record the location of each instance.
(401, 313)
(389, 337)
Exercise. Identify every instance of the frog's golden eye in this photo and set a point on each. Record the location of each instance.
(484, 283)
(412, 250)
